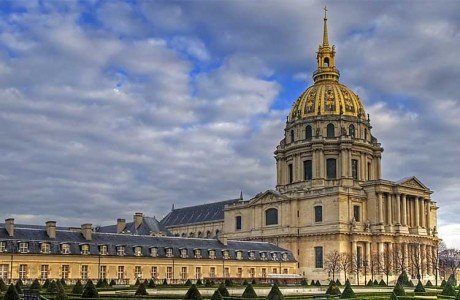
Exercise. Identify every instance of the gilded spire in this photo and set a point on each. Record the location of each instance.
(325, 35)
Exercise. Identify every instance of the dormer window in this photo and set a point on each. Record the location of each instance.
(263, 255)
(120, 250)
(85, 249)
(197, 253)
(212, 254)
(65, 249)
(103, 250)
(154, 252)
(138, 251)
(225, 254)
(23, 247)
(2, 246)
(45, 248)
(169, 252)
(183, 253)
(284, 256)
(274, 256)
(239, 255)
(251, 255)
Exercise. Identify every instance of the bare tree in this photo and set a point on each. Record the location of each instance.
(357, 265)
(449, 261)
(345, 263)
(399, 259)
(374, 265)
(386, 263)
(435, 260)
(332, 262)
(416, 258)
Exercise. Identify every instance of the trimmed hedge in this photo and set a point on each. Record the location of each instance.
(217, 296)
(333, 289)
(348, 292)
(193, 293)
(223, 290)
(11, 293)
(275, 293)
(141, 291)
(399, 290)
(77, 288)
(448, 290)
(249, 292)
(419, 288)
(90, 291)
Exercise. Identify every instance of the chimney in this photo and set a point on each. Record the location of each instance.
(222, 239)
(138, 219)
(51, 229)
(9, 226)
(87, 231)
(121, 224)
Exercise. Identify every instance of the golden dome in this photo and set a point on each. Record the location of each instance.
(326, 97)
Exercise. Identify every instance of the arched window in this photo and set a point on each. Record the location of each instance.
(200, 234)
(331, 168)
(308, 132)
(208, 234)
(217, 232)
(330, 130)
(292, 136)
(351, 130)
(271, 216)
(326, 62)
(184, 234)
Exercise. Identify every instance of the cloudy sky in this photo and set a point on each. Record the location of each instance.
(107, 108)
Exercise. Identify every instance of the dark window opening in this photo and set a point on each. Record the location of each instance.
(318, 214)
(307, 170)
(331, 168)
(271, 216)
(357, 213)
(308, 132)
(330, 130)
(354, 169)
(292, 136)
(326, 62)
(318, 257)
(351, 130)
(359, 256)
(238, 222)
(290, 173)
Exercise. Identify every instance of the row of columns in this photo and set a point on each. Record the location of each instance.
(399, 211)
(413, 255)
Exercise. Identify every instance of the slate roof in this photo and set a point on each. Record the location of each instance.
(36, 236)
(204, 213)
(148, 226)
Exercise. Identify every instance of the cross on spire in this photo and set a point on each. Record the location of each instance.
(325, 12)
(325, 34)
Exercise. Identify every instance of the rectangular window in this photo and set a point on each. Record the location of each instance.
(290, 174)
(2, 246)
(238, 222)
(120, 250)
(307, 170)
(275, 271)
(169, 252)
(264, 272)
(4, 271)
(154, 273)
(169, 272)
(138, 271)
(252, 272)
(85, 249)
(121, 272)
(198, 273)
(212, 254)
(285, 271)
(103, 249)
(23, 247)
(318, 214)
(240, 272)
(65, 270)
(318, 257)
(65, 248)
(84, 272)
(331, 168)
(369, 171)
(103, 272)
(359, 256)
(44, 271)
(183, 273)
(22, 272)
(357, 213)
(354, 169)
(226, 272)
(138, 251)
(45, 248)
(212, 272)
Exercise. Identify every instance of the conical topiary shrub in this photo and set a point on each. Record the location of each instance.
(429, 284)
(3, 286)
(18, 287)
(249, 292)
(304, 282)
(313, 282)
(393, 296)
(333, 289)
(199, 282)
(348, 292)
(217, 296)
(410, 283)
(193, 293)
(188, 282)
(275, 293)
(90, 291)
(337, 282)
(77, 288)
(11, 293)
(151, 284)
(223, 290)
(403, 278)
(52, 287)
(99, 283)
(35, 286)
(141, 290)
(61, 295)
(399, 290)
(112, 282)
(165, 282)
(370, 283)
(19, 283)
(448, 290)
(376, 282)
(443, 283)
(138, 282)
(382, 283)
(63, 283)
(317, 283)
(419, 288)
(452, 280)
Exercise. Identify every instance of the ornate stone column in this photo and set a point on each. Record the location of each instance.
(422, 212)
(380, 199)
(423, 258)
(417, 212)
(368, 252)
(389, 212)
(429, 256)
(406, 256)
(404, 210)
(398, 209)
(354, 249)
(428, 217)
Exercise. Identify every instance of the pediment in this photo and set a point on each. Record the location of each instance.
(267, 197)
(413, 182)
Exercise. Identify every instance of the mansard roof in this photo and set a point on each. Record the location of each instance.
(204, 213)
(36, 236)
(148, 226)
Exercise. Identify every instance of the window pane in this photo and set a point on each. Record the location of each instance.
(331, 168)
(290, 173)
(318, 214)
(308, 132)
(238, 222)
(307, 169)
(330, 130)
(271, 216)
(354, 169)
(318, 257)
(357, 213)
